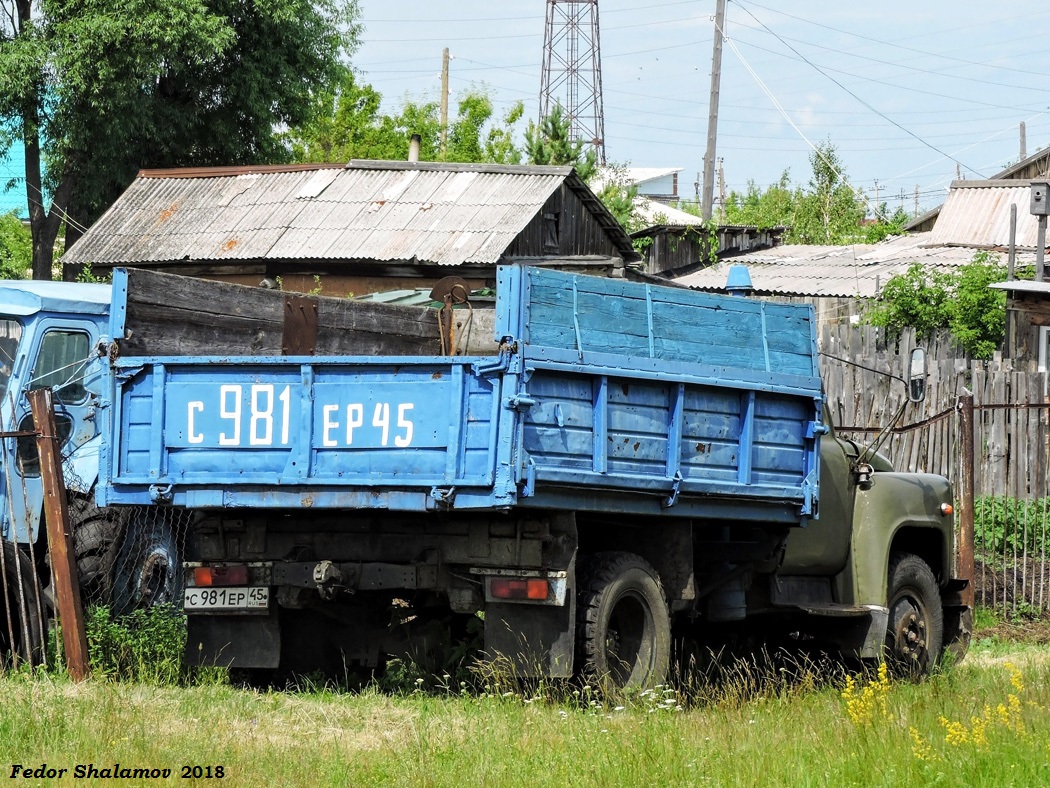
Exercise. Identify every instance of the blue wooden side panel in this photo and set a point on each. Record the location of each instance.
(645, 388)
(584, 314)
(632, 434)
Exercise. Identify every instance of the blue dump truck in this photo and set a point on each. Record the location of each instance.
(627, 461)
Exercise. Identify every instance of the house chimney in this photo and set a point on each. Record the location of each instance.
(413, 147)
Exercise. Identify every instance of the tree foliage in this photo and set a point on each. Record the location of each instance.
(348, 123)
(16, 248)
(827, 211)
(960, 302)
(97, 91)
(550, 142)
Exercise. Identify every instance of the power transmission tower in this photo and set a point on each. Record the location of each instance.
(572, 70)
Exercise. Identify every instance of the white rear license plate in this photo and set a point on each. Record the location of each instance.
(251, 598)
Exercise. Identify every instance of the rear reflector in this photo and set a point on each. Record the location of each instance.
(536, 588)
(205, 576)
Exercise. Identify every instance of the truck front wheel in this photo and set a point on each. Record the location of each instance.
(623, 627)
(916, 623)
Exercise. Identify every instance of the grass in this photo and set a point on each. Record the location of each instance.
(983, 722)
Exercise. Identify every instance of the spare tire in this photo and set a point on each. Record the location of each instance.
(148, 563)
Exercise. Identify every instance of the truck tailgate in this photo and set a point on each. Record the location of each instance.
(303, 431)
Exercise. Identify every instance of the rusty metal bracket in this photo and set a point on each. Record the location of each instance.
(300, 325)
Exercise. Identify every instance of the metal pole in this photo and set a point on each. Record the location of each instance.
(1040, 247)
(1011, 256)
(966, 495)
(712, 117)
(60, 535)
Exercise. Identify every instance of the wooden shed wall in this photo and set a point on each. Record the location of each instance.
(565, 227)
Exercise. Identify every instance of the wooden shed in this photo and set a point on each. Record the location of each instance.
(357, 228)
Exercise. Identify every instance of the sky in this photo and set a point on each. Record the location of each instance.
(909, 93)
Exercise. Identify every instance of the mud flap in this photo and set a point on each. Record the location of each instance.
(532, 640)
(234, 641)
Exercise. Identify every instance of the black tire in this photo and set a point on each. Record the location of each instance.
(148, 563)
(21, 638)
(623, 626)
(97, 534)
(915, 632)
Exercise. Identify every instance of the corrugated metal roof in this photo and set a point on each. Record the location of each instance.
(655, 213)
(977, 214)
(1023, 286)
(859, 270)
(446, 214)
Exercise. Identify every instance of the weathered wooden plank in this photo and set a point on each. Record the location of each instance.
(175, 315)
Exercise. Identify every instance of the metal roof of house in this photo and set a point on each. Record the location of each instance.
(1023, 286)
(654, 213)
(859, 270)
(977, 214)
(1030, 167)
(422, 212)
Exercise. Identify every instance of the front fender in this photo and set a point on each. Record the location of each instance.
(897, 511)
(81, 467)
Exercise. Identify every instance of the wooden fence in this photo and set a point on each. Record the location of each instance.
(1012, 454)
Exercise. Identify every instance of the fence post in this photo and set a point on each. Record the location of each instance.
(966, 496)
(59, 535)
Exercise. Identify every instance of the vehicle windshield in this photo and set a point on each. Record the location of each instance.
(10, 334)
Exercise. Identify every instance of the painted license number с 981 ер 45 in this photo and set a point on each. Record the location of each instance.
(251, 598)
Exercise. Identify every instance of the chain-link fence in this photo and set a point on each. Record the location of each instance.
(127, 558)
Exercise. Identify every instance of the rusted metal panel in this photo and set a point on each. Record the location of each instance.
(300, 325)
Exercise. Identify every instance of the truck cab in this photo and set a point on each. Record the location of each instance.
(49, 335)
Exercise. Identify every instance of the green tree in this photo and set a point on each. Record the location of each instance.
(960, 302)
(347, 123)
(99, 90)
(551, 142)
(774, 207)
(830, 211)
(16, 248)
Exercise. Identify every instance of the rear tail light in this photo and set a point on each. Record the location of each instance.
(536, 589)
(206, 576)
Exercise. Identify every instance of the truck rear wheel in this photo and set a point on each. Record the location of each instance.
(623, 627)
(916, 622)
(20, 634)
(96, 536)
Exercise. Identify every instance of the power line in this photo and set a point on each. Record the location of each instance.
(901, 46)
(858, 98)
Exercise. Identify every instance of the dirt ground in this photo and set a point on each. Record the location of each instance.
(1021, 585)
(1036, 632)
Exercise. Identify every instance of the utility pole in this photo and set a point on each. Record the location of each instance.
(712, 118)
(878, 210)
(916, 199)
(444, 100)
(721, 190)
(1024, 144)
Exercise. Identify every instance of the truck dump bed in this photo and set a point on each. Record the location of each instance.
(602, 395)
